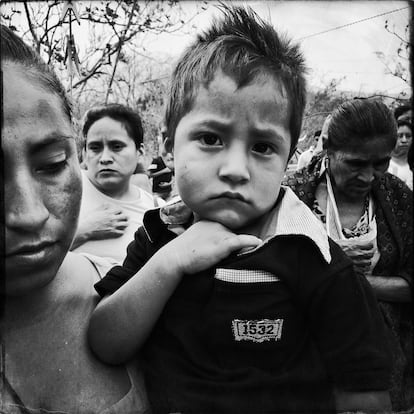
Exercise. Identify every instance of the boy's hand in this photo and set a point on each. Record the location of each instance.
(203, 245)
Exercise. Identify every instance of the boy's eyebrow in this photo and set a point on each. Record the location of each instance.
(226, 126)
(270, 133)
(50, 139)
(216, 124)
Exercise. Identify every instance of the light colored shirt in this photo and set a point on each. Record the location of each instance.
(304, 158)
(403, 172)
(115, 247)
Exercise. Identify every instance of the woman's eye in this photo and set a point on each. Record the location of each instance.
(210, 140)
(263, 148)
(117, 147)
(93, 148)
(52, 168)
(356, 164)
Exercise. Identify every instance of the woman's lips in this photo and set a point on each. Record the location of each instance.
(31, 253)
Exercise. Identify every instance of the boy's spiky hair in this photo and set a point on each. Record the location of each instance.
(243, 46)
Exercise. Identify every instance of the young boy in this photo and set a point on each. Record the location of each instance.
(234, 293)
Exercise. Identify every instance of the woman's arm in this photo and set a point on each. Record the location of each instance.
(366, 401)
(391, 288)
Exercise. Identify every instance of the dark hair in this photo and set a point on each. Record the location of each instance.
(410, 159)
(15, 50)
(403, 122)
(358, 121)
(121, 113)
(401, 110)
(243, 46)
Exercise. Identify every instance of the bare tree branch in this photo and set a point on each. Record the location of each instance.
(31, 28)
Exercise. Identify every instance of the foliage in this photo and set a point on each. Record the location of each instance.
(398, 65)
(319, 104)
(114, 63)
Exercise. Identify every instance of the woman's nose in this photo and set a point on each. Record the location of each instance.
(106, 156)
(367, 175)
(24, 206)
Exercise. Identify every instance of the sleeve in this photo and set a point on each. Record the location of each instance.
(136, 257)
(349, 331)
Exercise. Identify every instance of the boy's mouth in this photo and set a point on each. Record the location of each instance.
(232, 196)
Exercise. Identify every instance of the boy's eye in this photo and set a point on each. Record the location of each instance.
(263, 148)
(210, 140)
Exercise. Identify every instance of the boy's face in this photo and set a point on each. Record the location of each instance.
(231, 150)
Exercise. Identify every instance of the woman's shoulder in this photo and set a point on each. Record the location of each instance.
(394, 189)
(78, 274)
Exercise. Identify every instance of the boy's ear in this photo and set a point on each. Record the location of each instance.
(168, 145)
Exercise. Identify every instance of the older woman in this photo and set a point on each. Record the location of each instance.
(48, 292)
(369, 213)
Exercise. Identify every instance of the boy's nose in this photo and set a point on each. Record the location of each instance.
(234, 167)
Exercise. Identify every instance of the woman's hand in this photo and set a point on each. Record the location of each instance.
(360, 254)
(104, 222)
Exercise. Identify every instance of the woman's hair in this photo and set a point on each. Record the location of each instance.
(15, 50)
(359, 121)
(410, 158)
(401, 110)
(121, 113)
(244, 47)
(404, 122)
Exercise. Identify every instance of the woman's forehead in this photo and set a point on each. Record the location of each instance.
(367, 150)
(24, 97)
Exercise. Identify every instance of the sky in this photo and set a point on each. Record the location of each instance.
(345, 53)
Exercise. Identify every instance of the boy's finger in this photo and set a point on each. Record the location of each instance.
(242, 241)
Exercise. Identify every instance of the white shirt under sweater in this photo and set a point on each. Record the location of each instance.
(403, 172)
(114, 248)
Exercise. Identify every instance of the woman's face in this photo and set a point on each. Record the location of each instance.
(353, 171)
(404, 139)
(42, 182)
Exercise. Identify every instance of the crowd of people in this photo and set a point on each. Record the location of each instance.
(207, 281)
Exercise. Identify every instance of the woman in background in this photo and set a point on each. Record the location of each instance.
(399, 158)
(368, 212)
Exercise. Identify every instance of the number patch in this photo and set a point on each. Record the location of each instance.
(257, 331)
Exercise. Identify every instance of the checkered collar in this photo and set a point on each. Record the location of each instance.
(290, 216)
